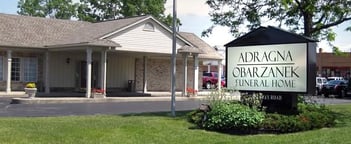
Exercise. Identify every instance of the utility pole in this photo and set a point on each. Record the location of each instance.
(173, 64)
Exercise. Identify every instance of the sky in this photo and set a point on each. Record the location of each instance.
(194, 17)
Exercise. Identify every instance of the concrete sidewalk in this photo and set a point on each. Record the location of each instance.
(25, 100)
(21, 98)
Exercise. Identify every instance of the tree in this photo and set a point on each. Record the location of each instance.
(312, 18)
(101, 10)
(60, 9)
(95, 10)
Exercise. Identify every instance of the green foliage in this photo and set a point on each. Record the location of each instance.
(311, 116)
(313, 18)
(232, 116)
(59, 9)
(196, 117)
(102, 10)
(157, 128)
(95, 10)
(248, 116)
(338, 52)
(253, 100)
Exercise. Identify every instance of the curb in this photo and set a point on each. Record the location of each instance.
(96, 100)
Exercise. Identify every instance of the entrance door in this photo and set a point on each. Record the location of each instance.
(83, 74)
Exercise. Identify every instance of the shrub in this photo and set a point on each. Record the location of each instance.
(284, 123)
(196, 117)
(318, 115)
(311, 116)
(232, 116)
(253, 100)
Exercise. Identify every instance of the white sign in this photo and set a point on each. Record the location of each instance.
(280, 68)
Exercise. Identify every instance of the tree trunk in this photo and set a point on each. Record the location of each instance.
(307, 24)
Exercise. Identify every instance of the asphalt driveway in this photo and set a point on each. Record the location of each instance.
(67, 109)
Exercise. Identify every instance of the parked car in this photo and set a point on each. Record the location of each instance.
(335, 87)
(210, 80)
(320, 81)
(335, 78)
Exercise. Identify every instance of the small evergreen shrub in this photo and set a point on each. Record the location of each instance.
(232, 116)
(311, 116)
(196, 117)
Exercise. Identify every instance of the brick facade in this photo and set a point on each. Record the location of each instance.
(159, 76)
(329, 64)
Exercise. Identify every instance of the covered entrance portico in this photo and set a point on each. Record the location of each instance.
(72, 56)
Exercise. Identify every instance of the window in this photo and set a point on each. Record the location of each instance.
(15, 69)
(30, 69)
(24, 69)
(1, 68)
(149, 27)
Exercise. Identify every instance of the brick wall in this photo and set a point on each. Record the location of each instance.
(159, 76)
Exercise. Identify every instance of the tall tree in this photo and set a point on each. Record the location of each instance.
(312, 18)
(101, 10)
(60, 9)
(95, 10)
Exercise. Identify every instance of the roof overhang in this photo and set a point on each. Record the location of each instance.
(190, 50)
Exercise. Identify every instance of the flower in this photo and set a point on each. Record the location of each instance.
(31, 85)
(191, 91)
(96, 90)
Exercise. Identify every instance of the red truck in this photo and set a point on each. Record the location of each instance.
(210, 80)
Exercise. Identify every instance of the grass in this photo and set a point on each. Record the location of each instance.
(156, 128)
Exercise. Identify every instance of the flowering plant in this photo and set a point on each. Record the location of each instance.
(96, 90)
(31, 85)
(191, 91)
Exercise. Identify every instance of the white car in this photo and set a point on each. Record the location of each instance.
(335, 78)
(320, 81)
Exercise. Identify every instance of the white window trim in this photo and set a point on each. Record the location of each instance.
(19, 71)
(151, 27)
(22, 69)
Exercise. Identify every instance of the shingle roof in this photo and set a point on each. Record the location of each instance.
(208, 51)
(36, 32)
(190, 49)
(94, 31)
(26, 31)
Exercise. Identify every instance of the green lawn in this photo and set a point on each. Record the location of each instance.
(153, 128)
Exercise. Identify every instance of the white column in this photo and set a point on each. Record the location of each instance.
(8, 75)
(88, 85)
(47, 76)
(196, 72)
(219, 84)
(145, 74)
(185, 71)
(103, 67)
